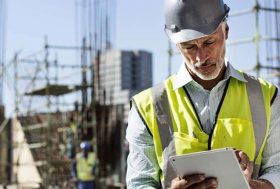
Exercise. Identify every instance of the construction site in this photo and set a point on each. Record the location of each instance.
(58, 105)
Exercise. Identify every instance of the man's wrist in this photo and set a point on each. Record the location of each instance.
(260, 184)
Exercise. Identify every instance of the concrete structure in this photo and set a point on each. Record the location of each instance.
(23, 160)
(121, 75)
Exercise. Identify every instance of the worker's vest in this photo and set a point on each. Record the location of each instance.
(242, 121)
(85, 167)
(73, 127)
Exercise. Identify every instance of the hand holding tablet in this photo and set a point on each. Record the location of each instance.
(221, 164)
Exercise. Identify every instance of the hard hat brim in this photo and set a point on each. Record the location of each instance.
(190, 34)
(184, 35)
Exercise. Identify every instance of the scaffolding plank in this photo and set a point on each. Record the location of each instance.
(54, 90)
(37, 145)
(35, 126)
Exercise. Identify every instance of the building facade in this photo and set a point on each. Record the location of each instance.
(121, 74)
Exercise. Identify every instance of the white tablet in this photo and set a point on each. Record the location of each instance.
(221, 164)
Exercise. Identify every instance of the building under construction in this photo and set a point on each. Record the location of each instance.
(58, 105)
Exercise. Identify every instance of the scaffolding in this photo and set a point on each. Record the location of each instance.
(46, 118)
(265, 38)
(51, 96)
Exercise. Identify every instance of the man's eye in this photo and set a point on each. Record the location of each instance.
(188, 47)
(209, 42)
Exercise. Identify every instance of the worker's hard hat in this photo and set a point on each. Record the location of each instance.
(186, 20)
(85, 145)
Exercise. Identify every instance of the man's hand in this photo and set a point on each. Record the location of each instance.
(201, 182)
(194, 182)
(261, 184)
(245, 164)
(247, 167)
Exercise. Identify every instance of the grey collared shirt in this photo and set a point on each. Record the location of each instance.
(142, 166)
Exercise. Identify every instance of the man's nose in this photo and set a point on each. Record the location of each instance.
(201, 55)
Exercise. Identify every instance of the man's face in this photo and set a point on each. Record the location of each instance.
(204, 57)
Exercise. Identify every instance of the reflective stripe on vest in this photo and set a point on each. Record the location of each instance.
(164, 122)
(258, 114)
(85, 167)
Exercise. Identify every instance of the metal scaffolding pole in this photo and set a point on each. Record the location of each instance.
(257, 37)
(277, 22)
(2, 45)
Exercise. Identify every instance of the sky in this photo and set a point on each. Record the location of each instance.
(139, 25)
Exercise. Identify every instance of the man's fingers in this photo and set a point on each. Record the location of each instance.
(244, 160)
(187, 181)
(209, 183)
(249, 171)
(245, 164)
(237, 155)
(178, 184)
(194, 182)
(194, 179)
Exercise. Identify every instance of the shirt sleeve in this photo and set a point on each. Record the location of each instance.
(142, 165)
(270, 168)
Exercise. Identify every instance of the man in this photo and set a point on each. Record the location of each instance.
(83, 167)
(207, 105)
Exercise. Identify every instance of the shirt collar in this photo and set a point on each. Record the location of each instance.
(183, 77)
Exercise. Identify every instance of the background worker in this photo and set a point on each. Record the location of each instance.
(207, 105)
(83, 167)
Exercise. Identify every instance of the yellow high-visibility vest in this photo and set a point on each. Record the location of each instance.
(175, 127)
(85, 167)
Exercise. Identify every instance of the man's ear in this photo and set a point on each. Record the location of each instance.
(227, 30)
